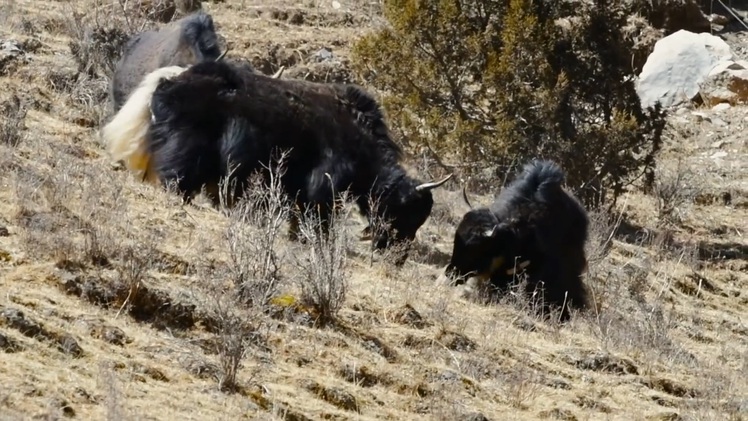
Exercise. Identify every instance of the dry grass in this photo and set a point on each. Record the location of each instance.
(120, 303)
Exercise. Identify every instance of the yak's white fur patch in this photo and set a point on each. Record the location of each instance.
(125, 135)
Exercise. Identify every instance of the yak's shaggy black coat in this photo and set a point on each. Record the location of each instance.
(184, 42)
(533, 219)
(215, 116)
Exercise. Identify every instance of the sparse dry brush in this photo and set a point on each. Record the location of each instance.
(253, 236)
(323, 273)
(12, 115)
(98, 34)
(674, 190)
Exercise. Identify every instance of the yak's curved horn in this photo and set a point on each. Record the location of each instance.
(465, 198)
(278, 74)
(223, 54)
(433, 184)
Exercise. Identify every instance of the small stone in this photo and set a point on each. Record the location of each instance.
(718, 19)
(69, 345)
(721, 107)
(4, 232)
(324, 54)
(407, 315)
(700, 116)
(681, 111)
(719, 122)
(717, 155)
(475, 416)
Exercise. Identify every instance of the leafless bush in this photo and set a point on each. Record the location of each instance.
(236, 326)
(12, 115)
(673, 189)
(97, 38)
(107, 382)
(231, 344)
(323, 269)
(521, 384)
(602, 228)
(632, 315)
(69, 212)
(253, 234)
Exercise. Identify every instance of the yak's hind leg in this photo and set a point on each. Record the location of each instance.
(558, 285)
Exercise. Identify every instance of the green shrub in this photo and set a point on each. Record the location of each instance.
(492, 84)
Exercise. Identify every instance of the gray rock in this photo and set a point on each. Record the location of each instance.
(324, 54)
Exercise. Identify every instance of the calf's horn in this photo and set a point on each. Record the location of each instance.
(490, 232)
(465, 198)
(434, 184)
(278, 74)
(223, 54)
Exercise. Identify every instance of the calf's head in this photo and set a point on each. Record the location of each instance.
(484, 247)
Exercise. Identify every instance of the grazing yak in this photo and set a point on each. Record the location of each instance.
(184, 42)
(195, 124)
(533, 225)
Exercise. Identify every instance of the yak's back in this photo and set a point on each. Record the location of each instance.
(532, 193)
(537, 199)
(368, 115)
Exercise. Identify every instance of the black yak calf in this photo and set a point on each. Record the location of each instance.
(533, 225)
(217, 121)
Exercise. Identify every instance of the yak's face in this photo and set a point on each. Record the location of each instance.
(401, 212)
(483, 247)
(402, 218)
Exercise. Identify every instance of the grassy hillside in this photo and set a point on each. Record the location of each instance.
(117, 302)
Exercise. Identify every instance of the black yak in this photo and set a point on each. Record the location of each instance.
(216, 120)
(184, 42)
(534, 225)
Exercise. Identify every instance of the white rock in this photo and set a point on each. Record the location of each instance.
(717, 155)
(721, 107)
(677, 65)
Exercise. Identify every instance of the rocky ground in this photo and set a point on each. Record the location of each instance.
(114, 301)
